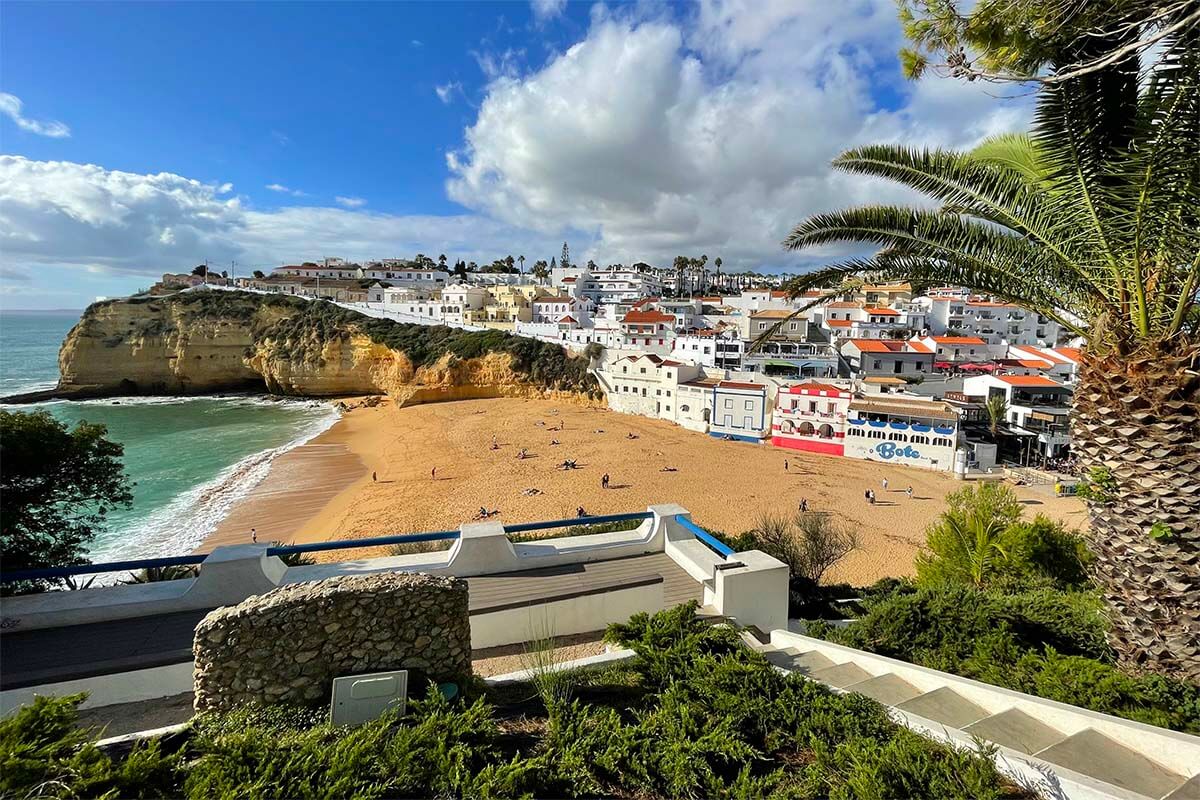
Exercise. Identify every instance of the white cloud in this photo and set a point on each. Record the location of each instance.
(445, 92)
(281, 189)
(544, 10)
(350, 202)
(713, 135)
(83, 219)
(11, 105)
(416, 43)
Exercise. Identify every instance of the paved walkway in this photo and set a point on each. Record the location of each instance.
(50, 655)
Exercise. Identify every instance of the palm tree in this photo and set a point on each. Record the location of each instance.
(541, 270)
(997, 411)
(442, 261)
(717, 276)
(1092, 220)
(522, 260)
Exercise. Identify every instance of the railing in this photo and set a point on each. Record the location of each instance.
(313, 547)
(713, 543)
(601, 519)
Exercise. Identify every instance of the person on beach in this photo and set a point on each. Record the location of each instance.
(374, 477)
(253, 536)
(433, 474)
(579, 512)
(803, 505)
(785, 465)
(885, 484)
(871, 496)
(604, 481)
(908, 492)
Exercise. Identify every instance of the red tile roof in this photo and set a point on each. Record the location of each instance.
(890, 312)
(778, 293)
(843, 304)
(1027, 380)
(838, 323)
(1073, 353)
(918, 347)
(737, 385)
(568, 318)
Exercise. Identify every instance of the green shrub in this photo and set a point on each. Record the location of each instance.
(1042, 642)
(981, 541)
(698, 714)
(44, 753)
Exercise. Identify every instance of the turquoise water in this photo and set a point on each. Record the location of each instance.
(190, 458)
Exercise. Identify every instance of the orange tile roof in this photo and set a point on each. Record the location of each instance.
(804, 388)
(774, 313)
(843, 304)
(567, 319)
(1027, 380)
(958, 340)
(778, 293)
(891, 312)
(647, 316)
(737, 385)
(919, 347)
(879, 345)
(1073, 353)
(838, 323)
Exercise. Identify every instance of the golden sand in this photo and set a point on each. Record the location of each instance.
(324, 490)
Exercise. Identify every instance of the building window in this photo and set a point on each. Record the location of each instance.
(683, 408)
(728, 403)
(658, 392)
(643, 370)
(762, 326)
(749, 405)
(877, 364)
(874, 434)
(897, 437)
(812, 406)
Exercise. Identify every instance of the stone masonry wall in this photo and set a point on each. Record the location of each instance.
(288, 645)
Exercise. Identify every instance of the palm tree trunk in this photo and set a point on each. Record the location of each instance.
(1138, 417)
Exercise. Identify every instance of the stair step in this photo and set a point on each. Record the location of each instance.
(780, 658)
(808, 663)
(945, 706)
(841, 675)
(887, 688)
(1092, 753)
(1188, 791)
(1016, 730)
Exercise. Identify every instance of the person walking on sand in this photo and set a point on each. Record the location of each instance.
(785, 465)
(604, 481)
(374, 477)
(253, 536)
(885, 484)
(908, 492)
(433, 474)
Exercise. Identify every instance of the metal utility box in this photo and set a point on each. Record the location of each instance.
(362, 698)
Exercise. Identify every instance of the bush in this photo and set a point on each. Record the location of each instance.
(700, 715)
(981, 541)
(1043, 642)
(43, 752)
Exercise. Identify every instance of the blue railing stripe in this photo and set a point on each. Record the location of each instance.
(110, 566)
(317, 547)
(346, 544)
(713, 542)
(600, 519)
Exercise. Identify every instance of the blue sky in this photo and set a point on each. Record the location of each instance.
(139, 139)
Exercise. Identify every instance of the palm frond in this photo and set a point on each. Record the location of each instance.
(983, 187)
(1012, 263)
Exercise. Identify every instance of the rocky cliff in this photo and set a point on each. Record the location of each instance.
(205, 342)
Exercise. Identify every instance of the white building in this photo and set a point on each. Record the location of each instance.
(850, 320)
(869, 357)
(995, 322)
(903, 431)
(740, 411)
(646, 384)
(1037, 407)
(611, 285)
(710, 348)
(651, 331)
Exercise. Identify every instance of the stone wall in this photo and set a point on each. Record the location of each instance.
(287, 646)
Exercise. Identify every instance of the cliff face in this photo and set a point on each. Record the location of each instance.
(204, 342)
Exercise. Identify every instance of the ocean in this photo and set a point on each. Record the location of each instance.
(190, 459)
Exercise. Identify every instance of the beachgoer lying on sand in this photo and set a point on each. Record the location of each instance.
(631, 435)
(531, 491)
(553, 441)
(599, 430)
(668, 469)
(579, 512)
(522, 453)
(495, 446)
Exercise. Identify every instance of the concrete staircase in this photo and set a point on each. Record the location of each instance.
(1061, 750)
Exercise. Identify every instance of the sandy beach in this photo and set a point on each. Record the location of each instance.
(324, 490)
